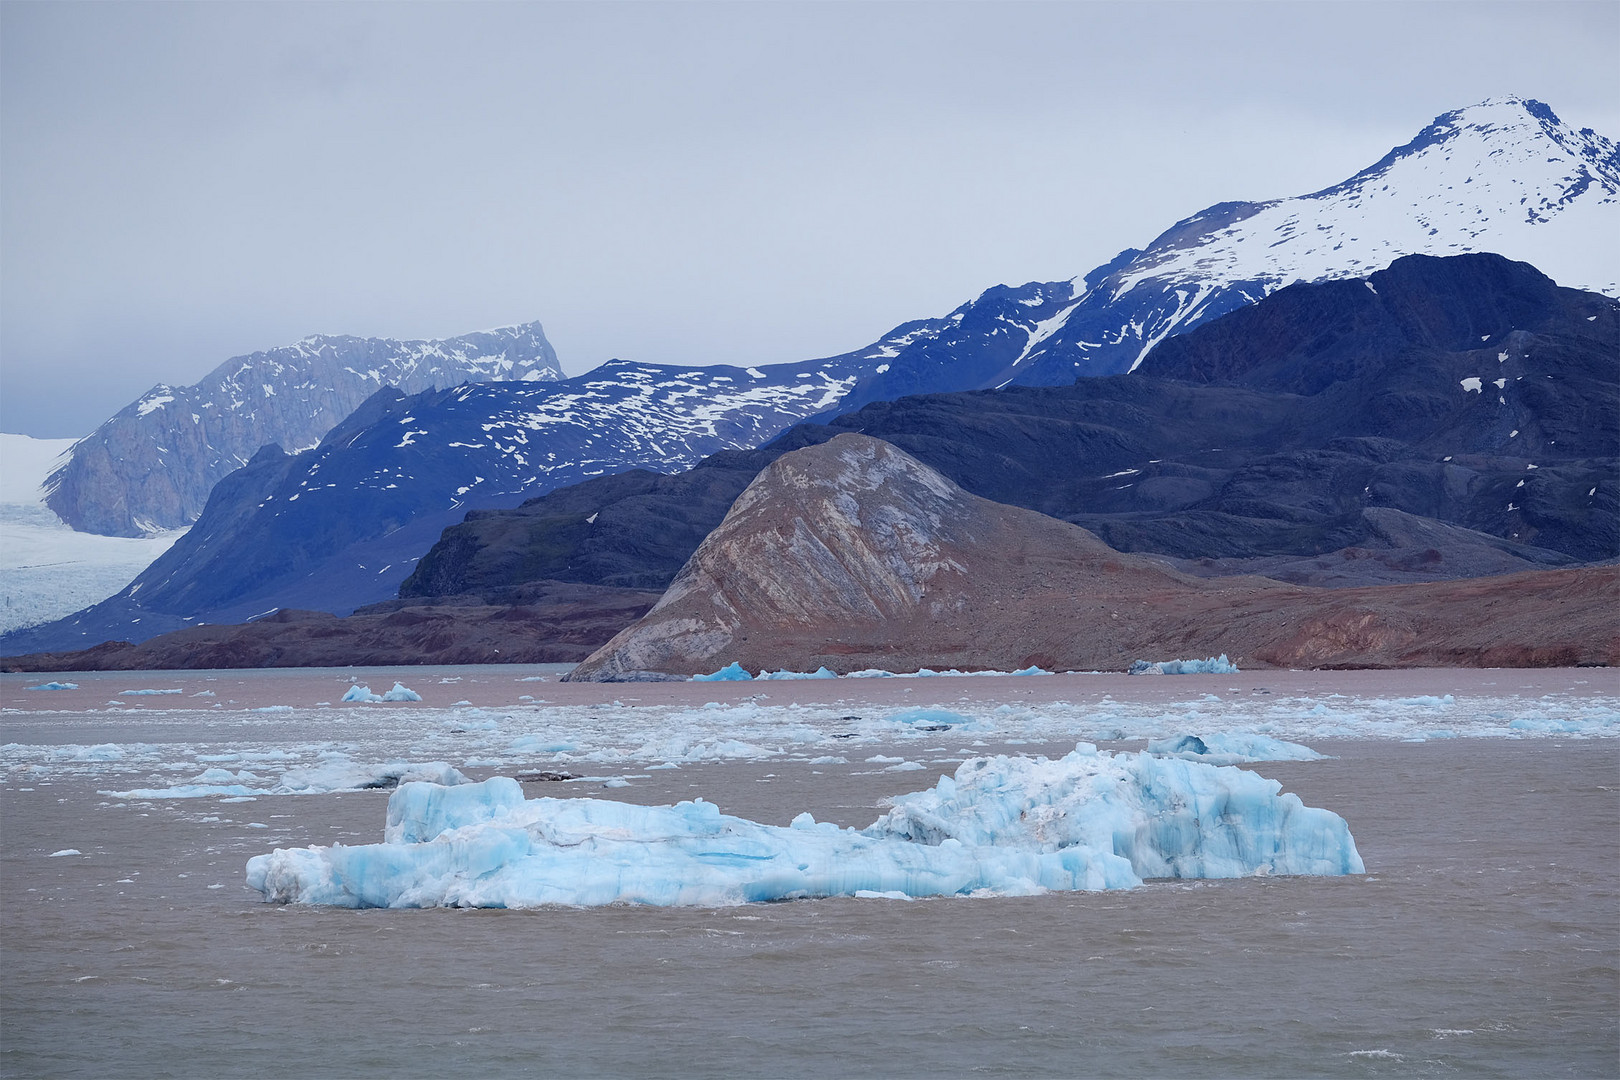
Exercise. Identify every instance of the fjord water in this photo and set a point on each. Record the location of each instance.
(1484, 940)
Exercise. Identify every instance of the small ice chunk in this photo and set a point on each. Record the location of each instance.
(1473, 384)
(1230, 748)
(732, 672)
(929, 718)
(64, 851)
(54, 686)
(401, 693)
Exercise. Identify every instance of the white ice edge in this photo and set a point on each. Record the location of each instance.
(1002, 825)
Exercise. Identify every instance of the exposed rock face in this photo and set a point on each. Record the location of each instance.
(546, 623)
(854, 555)
(153, 464)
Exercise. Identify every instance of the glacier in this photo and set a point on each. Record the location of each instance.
(1215, 665)
(1001, 825)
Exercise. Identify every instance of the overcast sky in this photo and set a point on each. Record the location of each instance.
(673, 183)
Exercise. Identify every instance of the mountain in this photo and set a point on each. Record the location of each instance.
(853, 555)
(151, 466)
(1505, 176)
(1443, 418)
(339, 526)
(1502, 174)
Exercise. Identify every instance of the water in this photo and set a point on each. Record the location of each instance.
(1485, 939)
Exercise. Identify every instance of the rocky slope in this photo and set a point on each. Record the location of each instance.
(854, 555)
(151, 466)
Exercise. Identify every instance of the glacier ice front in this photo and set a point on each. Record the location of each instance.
(1006, 825)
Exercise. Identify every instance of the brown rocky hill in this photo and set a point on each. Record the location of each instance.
(852, 554)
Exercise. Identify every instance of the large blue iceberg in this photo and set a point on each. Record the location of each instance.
(1002, 825)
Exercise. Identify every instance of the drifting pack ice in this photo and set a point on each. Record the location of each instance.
(1002, 825)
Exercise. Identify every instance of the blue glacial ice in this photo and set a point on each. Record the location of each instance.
(54, 686)
(732, 672)
(1002, 825)
(1230, 748)
(400, 692)
(1215, 665)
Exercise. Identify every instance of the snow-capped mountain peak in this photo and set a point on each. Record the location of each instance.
(1505, 176)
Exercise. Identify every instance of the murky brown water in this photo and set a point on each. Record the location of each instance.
(1484, 941)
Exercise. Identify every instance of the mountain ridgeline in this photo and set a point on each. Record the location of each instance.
(1443, 418)
(1505, 176)
(152, 465)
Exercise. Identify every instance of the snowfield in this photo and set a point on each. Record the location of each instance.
(48, 570)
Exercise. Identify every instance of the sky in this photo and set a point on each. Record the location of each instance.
(686, 183)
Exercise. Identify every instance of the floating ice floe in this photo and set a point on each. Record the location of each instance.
(1215, 665)
(819, 673)
(147, 693)
(732, 672)
(334, 774)
(1230, 748)
(1001, 825)
(400, 692)
(54, 686)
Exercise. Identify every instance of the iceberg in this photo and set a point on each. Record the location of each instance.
(1230, 748)
(54, 686)
(400, 692)
(1215, 665)
(819, 673)
(1001, 825)
(732, 672)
